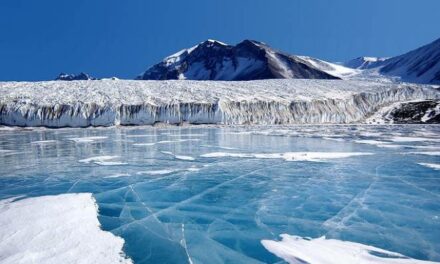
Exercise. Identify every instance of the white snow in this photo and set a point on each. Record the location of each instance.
(98, 159)
(118, 175)
(331, 68)
(182, 157)
(56, 229)
(144, 144)
(434, 166)
(428, 153)
(179, 157)
(124, 102)
(109, 163)
(370, 142)
(86, 139)
(383, 115)
(298, 250)
(39, 142)
(413, 139)
(431, 113)
(155, 172)
(289, 156)
(363, 62)
(103, 160)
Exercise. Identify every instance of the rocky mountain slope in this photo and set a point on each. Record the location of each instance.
(421, 65)
(248, 60)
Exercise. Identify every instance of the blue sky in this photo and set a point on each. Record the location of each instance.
(39, 39)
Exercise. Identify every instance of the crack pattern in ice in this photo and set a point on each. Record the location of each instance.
(226, 205)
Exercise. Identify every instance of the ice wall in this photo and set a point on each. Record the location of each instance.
(106, 103)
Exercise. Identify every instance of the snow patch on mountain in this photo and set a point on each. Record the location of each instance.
(364, 62)
(331, 68)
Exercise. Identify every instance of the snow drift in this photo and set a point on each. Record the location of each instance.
(56, 229)
(123, 102)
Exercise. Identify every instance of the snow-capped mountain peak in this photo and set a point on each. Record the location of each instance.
(248, 60)
(178, 56)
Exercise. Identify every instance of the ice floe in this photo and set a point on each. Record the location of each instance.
(370, 142)
(164, 142)
(431, 165)
(118, 175)
(179, 157)
(143, 144)
(56, 229)
(377, 143)
(155, 172)
(86, 139)
(413, 139)
(298, 250)
(44, 142)
(289, 156)
(140, 136)
(109, 163)
(103, 160)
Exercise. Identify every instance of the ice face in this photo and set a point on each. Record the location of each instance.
(280, 101)
(172, 200)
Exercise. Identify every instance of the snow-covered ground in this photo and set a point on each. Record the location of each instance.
(56, 229)
(124, 102)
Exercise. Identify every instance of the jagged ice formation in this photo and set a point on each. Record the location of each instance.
(124, 102)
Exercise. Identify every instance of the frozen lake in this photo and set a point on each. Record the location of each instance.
(211, 195)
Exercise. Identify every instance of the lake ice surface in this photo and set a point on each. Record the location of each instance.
(212, 195)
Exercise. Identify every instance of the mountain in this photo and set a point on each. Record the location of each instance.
(74, 77)
(248, 60)
(421, 65)
(364, 62)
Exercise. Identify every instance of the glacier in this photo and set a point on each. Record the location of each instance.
(125, 102)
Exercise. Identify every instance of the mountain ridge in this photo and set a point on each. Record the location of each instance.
(421, 65)
(247, 60)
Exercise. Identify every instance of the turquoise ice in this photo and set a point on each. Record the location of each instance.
(211, 195)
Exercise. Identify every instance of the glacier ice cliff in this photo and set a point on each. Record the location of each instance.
(124, 102)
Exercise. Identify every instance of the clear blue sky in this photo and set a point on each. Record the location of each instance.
(40, 38)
